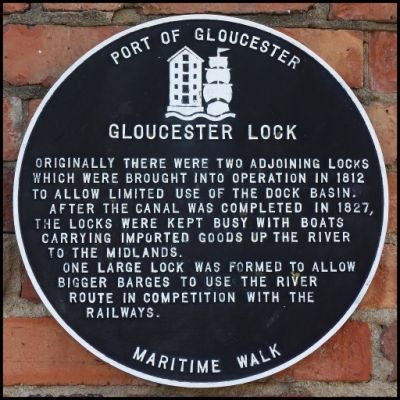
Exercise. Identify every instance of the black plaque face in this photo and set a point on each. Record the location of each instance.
(200, 201)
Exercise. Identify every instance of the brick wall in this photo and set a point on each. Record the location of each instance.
(42, 39)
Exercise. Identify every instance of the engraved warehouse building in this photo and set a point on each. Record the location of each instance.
(185, 82)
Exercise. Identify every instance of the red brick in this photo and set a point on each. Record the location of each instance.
(59, 359)
(9, 8)
(389, 347)
(386, 12)
(40, 54)
(383, 62)
(12, 125)
(81, 6)
(341, 49)
(32, 106)
(384, 120)
(225, 8)
(392, 183)
(37, 351)
(383, 290)
(27, 290)
(8, 177)
(345, 357)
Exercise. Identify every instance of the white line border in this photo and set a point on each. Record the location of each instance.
(87, 345)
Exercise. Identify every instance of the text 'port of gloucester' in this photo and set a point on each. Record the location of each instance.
(220, 36)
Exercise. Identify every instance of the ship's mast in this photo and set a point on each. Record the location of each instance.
(221, 50)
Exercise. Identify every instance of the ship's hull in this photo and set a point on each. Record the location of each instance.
(217, 108)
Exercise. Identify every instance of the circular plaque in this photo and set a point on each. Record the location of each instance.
(200, 201)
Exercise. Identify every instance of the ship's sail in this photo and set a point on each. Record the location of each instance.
(218, 75)
(218, 62)
(217, 92)
(214, 91)
(217, 108)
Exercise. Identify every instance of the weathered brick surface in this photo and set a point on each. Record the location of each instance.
(225, 8)
(296, 394)
(27, 290)
(81, 6)
(8, 177)
(37, 351)
(341, 49)
(9, 8)
(389, 347)
(392, 183)
(385, 12)
(11, 261)
(12, 124)
(383, 62)
(384, 120)
(40, 54)
(345, 357)
(61, 360)
(382, 292)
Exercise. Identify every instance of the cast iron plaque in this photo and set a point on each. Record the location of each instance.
(200, 201)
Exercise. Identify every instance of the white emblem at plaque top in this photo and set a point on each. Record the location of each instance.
(187, 91)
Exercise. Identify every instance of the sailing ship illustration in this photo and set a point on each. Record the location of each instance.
(186, 87)
(217, 91)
